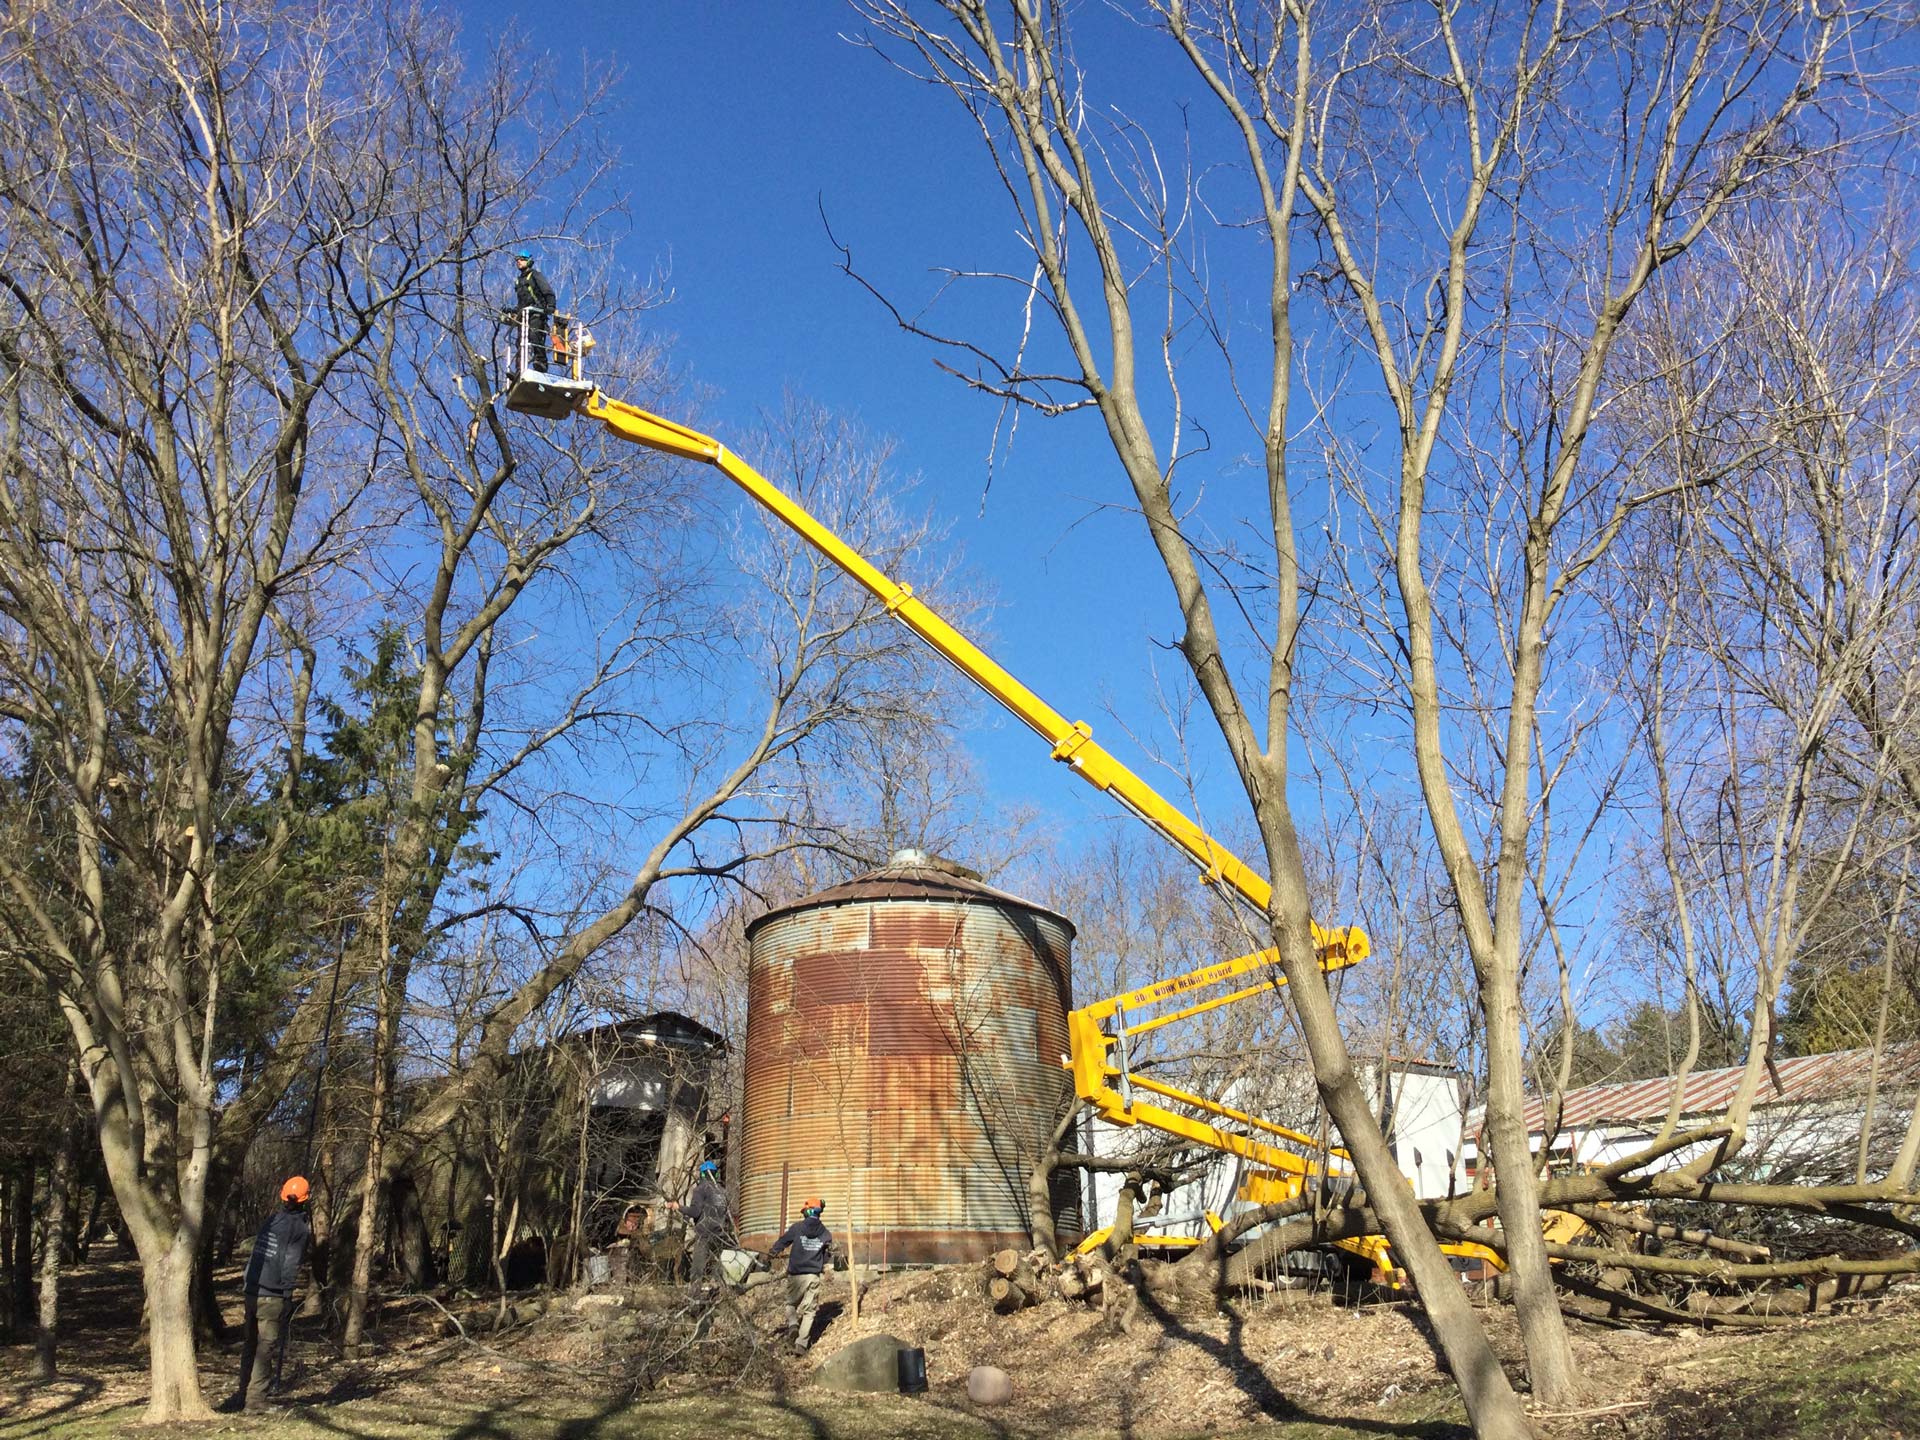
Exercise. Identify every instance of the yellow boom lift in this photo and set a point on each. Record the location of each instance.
(1098, 1034)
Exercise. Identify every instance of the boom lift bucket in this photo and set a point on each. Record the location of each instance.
(556, 391)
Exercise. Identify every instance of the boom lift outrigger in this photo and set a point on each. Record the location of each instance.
(1098, 1034)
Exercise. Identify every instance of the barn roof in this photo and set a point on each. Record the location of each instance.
(1796, 1080)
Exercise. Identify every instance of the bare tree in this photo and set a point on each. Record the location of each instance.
(811, 667)
(513, 518)
(211, 213)
(1416, 152)
(1772, 620)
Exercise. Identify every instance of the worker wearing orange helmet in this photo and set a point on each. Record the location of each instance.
(812, 1246)
(274, 1267)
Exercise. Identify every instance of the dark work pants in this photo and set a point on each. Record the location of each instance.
(266, 1313)
(538, 356)
(700, 1270)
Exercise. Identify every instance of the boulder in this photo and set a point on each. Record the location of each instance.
(989, 1385)
(600, 1311)
(870, 1363)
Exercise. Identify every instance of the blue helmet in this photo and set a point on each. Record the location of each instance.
(709, 1167)
(523, 255)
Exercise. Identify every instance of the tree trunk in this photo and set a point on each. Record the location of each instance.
(1040, 1227)
(372, 1180)
(173, 1361)
(853, 1259)
(411, 1241)
(52, 1251)
(1119, 1244)
(8, 1315)
(211, 1323)
(1492, 1406)
(1543, 1329)
(22, 1236)
(367, 1232)
(83, 1240)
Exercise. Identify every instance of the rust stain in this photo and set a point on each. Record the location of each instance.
(902, 1059)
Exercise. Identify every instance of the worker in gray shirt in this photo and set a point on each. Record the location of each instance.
(706, 1209)
(812, 1246)
(279, 1249)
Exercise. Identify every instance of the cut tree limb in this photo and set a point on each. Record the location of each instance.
(1641, 1225)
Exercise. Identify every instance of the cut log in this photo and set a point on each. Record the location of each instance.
(1012, 1265)
(1008, 1297)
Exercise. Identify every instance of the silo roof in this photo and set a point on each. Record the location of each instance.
(910, 875)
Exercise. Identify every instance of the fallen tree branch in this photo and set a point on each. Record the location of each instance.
(1641, 1225)
(1660, 1149)
(1747, 1311)
(502, 1355)
(1823, 1266)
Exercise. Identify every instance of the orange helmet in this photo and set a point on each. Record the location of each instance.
(296, 1189)
(812, 1207)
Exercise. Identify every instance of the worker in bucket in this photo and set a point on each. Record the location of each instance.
(812, 1246)
(706, 1210)
(533, 303)
(272, 1270)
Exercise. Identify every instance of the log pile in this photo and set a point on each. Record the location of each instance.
(1015, 1279)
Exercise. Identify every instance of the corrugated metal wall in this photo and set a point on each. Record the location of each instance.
(903, 1063)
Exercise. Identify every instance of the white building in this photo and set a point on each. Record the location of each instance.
(1423, 1113)
(1806, 1118)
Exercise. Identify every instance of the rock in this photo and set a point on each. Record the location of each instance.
(871, 1363)
(600, 1311)
(989, 1385)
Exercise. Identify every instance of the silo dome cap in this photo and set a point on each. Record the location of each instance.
(926, 877)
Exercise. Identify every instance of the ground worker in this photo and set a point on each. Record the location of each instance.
(534, 300)
(812, 1245)
(278, 1250)
(706, 1208)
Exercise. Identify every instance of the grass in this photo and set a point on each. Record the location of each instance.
(814, 1417)
(1845, 1378)
(1828, 1383)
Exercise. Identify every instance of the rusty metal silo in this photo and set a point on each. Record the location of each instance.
(904, 1036)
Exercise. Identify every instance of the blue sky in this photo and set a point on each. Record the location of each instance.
(737, 124)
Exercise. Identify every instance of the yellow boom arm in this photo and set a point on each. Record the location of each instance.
(1072, 741)
(1099, 1054)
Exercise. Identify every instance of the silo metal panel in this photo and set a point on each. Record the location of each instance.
(902, 1061)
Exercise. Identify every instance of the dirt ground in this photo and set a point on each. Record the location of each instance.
(1285, 1367)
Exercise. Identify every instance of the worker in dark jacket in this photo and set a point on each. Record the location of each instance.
(534, 299)
(706, 1209)
(278, 1251)
(812, 1246)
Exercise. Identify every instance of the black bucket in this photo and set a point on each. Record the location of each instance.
(913, 1370)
